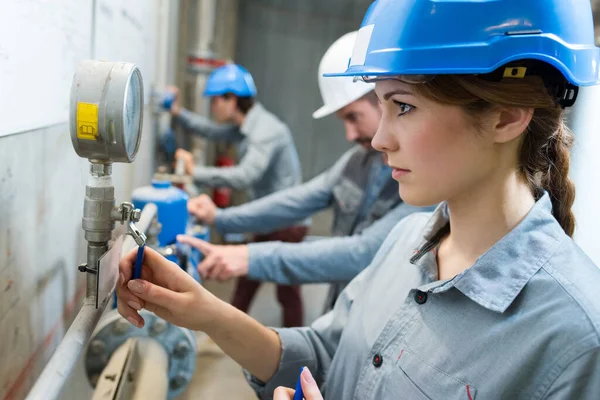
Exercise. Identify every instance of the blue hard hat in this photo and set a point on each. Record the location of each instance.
(429, 37)
(230, 78)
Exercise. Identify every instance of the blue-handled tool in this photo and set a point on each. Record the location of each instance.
(167, 100)
(137, 269)
(299, 395)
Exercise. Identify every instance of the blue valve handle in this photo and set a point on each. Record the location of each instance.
(137, 269)
(298, 394)
(167, 100)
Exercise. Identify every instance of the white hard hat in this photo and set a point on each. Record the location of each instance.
(338, 92)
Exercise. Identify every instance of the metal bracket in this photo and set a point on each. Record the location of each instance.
(108, 269)
(127, 214)
(84, 268)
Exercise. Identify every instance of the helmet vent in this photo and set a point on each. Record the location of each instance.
(525, 32)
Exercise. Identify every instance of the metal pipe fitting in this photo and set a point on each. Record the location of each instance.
(137, 370)
(100, 168)
(63, 361)
(114, 331)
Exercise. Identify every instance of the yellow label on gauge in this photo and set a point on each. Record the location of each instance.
(87, 121)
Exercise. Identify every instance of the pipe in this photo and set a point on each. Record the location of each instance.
(95, 250)
(97, 221)
(137, 370)
(60, 366)
(151, 374)
(58, 369)
(202, 30)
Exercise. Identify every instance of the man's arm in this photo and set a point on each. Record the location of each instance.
(315, 346)
(337, 259)
(206, 128)
(245, 174)
(285, 207)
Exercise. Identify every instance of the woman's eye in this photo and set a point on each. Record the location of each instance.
(404, 108)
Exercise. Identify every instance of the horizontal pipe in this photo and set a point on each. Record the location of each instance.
(152, 371)
(54, 376)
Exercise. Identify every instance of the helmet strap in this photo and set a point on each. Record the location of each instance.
(564, 93)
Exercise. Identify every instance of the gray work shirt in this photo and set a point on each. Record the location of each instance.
(268, 158)
(523, 322)
(337, 259)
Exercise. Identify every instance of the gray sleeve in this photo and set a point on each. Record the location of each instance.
(312, 347)
(206, 128)
(337, 259)
(246, 173)
(315, 346)
(579, 380)
(283, 208)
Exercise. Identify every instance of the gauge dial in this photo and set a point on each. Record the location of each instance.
(132, 114)
(107, 102)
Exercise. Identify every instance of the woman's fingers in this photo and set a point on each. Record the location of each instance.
(130, 314)
(310, 390)
(155, 294)
(283, 393)
(309, 386)
(157, 269)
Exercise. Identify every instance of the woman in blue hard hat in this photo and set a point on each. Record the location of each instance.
(268, 163)
(488, 297)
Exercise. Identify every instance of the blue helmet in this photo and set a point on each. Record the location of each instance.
(429, 37)
(230, 78)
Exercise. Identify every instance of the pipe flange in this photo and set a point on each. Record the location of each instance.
(113, 330)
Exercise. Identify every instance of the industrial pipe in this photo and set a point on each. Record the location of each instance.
(137, 370)
(63, 361)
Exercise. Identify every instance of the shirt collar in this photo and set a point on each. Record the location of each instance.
(499, 275)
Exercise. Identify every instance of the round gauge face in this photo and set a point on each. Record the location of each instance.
(107, 101)
(132, 114)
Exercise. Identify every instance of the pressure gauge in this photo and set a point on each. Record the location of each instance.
(107, 100)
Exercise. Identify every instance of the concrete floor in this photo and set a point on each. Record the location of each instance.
(218, 376)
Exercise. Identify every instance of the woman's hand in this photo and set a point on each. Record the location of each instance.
(309, 388)
(164, 289)
(173, 295)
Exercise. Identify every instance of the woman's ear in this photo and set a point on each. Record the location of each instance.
(510, 123)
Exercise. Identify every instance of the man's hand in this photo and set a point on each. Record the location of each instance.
(175, 109)
(203, 208)
(220, 262)
(188, 160)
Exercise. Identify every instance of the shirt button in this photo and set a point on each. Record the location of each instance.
(420, 297)
(377, 360)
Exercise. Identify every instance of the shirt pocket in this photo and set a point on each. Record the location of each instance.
(414, 379)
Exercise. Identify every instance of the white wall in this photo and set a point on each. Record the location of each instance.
(585, 123)
(42, 43)
(42, 185)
